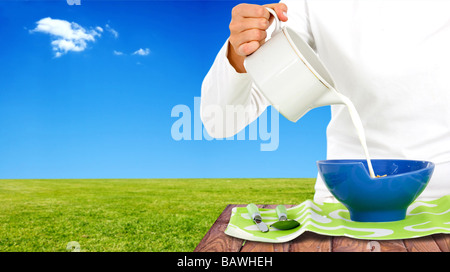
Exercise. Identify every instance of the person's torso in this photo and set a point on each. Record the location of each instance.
(392, 59)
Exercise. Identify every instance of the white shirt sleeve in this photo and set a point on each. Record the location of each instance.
(229, 100)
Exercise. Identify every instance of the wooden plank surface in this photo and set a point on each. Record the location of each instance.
(346, 244)
(443, 242)
(216, 240)
(422, 244)
(311, 242)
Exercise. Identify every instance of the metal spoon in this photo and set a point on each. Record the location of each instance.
(254, 214)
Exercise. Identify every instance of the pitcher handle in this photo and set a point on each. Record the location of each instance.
(276, 21)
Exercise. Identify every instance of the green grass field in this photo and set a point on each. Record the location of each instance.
(149, 215)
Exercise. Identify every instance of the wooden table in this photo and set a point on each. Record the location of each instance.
(216, 240)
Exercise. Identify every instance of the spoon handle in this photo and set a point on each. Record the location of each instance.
(281, 212)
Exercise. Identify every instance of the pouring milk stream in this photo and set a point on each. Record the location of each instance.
(293, 79)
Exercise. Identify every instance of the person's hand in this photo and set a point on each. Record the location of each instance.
(248, 30)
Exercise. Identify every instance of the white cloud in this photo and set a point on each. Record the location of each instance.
(66, 36)
(62, 45)
(112, 30)
(117, 53)
(142, 52)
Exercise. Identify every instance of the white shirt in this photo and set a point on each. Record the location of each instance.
(391, 58)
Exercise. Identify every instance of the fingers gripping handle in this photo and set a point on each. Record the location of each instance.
(276, 21)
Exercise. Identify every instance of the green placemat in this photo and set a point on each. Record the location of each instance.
(333, 219)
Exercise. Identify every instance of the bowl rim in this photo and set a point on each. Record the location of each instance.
(430, 165)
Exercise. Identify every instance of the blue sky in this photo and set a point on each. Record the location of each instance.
(97, 103)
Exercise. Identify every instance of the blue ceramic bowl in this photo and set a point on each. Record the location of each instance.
(376, 199)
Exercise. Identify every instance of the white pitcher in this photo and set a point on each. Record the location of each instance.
(290, 75)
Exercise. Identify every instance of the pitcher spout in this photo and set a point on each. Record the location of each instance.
(329, 97)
